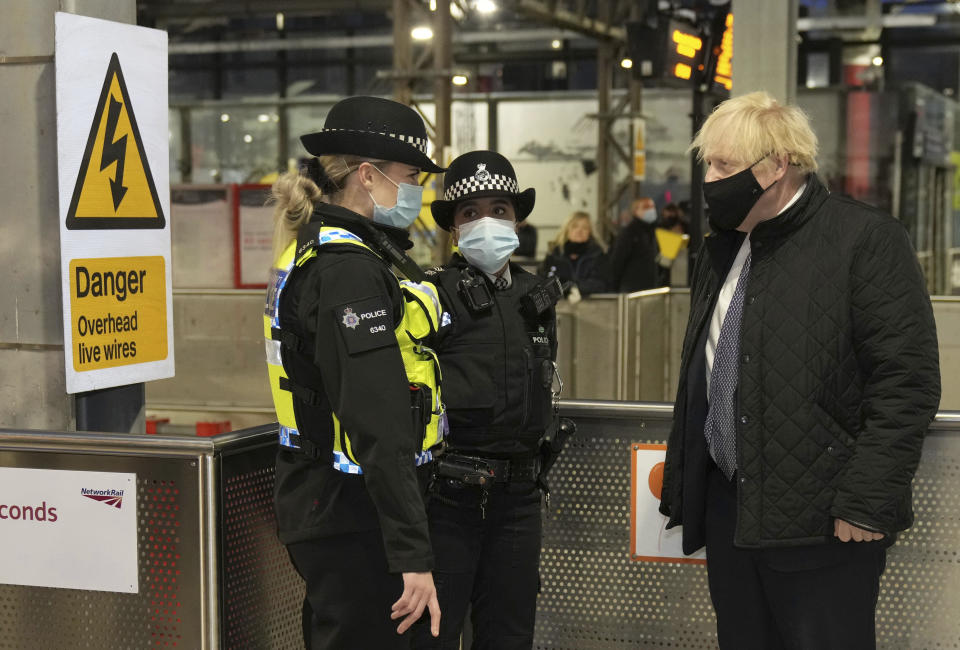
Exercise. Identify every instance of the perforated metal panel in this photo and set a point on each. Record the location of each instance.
(594, 597)
(262, 595)
(166, 611)
(920, 590)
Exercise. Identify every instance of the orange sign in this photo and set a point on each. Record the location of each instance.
(119, 310)
(650, 541)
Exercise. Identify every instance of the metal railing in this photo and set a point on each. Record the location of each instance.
(236, 588)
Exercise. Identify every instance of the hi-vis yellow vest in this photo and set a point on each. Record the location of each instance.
(422, 315)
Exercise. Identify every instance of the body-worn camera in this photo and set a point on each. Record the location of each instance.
(474, 291)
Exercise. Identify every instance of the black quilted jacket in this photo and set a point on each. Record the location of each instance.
(839, 372)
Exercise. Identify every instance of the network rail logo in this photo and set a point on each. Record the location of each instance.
(110, 497)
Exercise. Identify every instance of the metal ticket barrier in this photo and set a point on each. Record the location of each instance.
(211, 571)
(209, 501)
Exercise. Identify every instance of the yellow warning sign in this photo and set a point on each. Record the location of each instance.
(118, 306)
(114, 188)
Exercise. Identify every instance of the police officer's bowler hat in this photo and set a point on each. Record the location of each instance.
(480, 174)
(373, 127)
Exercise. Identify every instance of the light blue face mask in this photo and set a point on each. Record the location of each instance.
(487, 243)
(407, 208)
(649, 216)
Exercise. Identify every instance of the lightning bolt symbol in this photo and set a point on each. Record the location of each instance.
(114, 152)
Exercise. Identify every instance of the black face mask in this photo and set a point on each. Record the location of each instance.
(731, 199)
(575, 248)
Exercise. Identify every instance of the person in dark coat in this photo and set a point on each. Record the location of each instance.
(809, 376)
(633, 259)
(577, 257)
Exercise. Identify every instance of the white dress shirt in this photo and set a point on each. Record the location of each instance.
(727, 291)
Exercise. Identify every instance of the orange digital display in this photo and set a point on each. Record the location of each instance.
(724, 73)
(687, 44)
(682, 71)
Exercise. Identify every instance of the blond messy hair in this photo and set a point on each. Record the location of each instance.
(750, 127)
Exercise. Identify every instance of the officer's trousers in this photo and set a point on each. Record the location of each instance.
(349, 593)
(490, 562)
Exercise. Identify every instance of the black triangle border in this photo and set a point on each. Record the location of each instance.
(113, 223)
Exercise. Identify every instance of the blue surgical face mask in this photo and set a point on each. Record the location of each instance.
(407, 208)
(649, 216)
(487, 243)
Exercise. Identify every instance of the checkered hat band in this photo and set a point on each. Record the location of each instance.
(470, 185)
(419, 143)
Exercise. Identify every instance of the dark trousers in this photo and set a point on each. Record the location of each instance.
(491, 564)
(349, 593)
(800, 598)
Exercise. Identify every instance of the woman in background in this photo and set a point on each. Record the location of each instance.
(577, 257)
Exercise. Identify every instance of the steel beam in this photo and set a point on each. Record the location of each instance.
(402, 50)
(443, 99)
(605, 54)
(600, 28)
(359, 42)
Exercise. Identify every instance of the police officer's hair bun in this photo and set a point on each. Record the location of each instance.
(295, 193)
(293, 196)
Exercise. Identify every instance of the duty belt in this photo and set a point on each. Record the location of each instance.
(477, 470)
(292, 440)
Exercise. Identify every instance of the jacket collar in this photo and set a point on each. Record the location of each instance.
(794, 216)
(327, 214)
(723, 245)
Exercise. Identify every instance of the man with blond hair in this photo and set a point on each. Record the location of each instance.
(809, 376)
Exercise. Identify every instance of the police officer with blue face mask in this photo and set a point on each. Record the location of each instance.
(497, 360)
(356, 394)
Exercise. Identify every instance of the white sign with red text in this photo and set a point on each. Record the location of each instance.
(68, 529)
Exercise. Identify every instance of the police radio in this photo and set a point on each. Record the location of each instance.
(542, 297)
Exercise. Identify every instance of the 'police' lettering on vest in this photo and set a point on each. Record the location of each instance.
(365, 324)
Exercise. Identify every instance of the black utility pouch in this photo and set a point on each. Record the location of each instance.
(421, 407)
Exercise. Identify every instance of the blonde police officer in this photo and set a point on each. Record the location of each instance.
(355, 389)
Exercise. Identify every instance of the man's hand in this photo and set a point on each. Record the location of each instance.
(418, 593)
(847, 531)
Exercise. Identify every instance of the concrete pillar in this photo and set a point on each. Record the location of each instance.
(765, 47)
(32, 381)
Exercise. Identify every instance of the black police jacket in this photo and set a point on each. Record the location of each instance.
(497, 366)
(365, 384)
(839, 375)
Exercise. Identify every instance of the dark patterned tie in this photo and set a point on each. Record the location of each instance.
(721, 427)
(500, 283)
